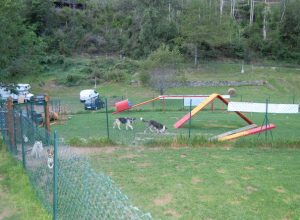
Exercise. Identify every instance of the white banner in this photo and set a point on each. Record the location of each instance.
(195, 101)
(261, 107)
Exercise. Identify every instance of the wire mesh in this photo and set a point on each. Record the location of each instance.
(82, 192)
(86, 194)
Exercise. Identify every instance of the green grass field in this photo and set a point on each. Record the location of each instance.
(207, 183)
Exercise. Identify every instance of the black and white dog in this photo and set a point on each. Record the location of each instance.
(154, 126)
(126, 121)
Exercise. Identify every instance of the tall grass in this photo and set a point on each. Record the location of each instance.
(18, 199)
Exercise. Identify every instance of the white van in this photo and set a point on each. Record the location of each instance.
(88, 94)
(21, 87)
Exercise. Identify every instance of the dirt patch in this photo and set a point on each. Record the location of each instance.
(246, 177)
(140, 179)
(279, 189)
(287, 200)
(128, 156)
(50, 85)
(216, 156)
(235, 202)
(172, 213)
(164, 200)
(296, 197)
(249, 168)
(196, 180)
(221, 170)
(229, 182)
(251, 189)
(6, 213)
(92, 150)
(205, 198)
(144, 165)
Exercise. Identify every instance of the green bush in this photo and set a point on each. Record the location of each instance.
(73, 80)
(53, 59)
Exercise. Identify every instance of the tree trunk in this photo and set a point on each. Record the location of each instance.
(265, 22)
(196, 56)
(221, 8)
(283, 10)
(251, 11)
(232, 8)
(169, 11)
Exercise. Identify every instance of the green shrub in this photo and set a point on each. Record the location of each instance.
(53, 59)
(73, 80)
(145, 77)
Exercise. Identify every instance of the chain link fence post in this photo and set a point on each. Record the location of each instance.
(47, 119)
(55, 177)
(107, 124)
(190, 121)
(14, 112)
(22, 139)
(10, 125)
(2, 124)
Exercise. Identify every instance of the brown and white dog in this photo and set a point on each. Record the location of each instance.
(154, 126)
(50, 161)
(126, 121)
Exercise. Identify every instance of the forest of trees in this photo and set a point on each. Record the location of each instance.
(199, 29)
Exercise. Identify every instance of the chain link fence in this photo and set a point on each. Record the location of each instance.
(97, 127)
(66, 184)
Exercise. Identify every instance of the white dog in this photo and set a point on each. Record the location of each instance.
(37, 149)
(25, 138)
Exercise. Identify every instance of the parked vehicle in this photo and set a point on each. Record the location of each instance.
(27, 95)
(38, 99)
(88, 94)
(5, 94)
(22, 87)
(17, 93)
(94, 104)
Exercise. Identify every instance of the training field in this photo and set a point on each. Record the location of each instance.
(173, 177)
(205, 123)
(249, 178)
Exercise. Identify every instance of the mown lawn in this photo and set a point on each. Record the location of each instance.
(207, 183)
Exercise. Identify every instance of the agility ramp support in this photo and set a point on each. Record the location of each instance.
(248, 132)
(199, 107)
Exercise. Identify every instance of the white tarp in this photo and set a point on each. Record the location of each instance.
(261, 107)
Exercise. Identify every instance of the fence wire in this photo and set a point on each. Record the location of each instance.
(82, 193)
